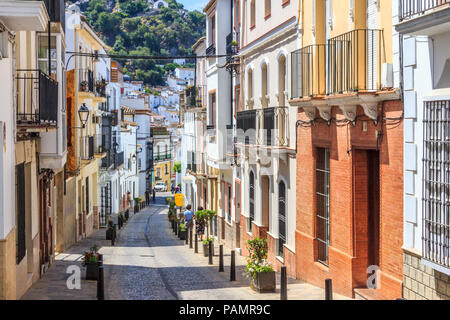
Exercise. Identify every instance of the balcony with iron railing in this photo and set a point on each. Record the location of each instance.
(354, 62)
(196, 97)
(264, 127)
(163, 156)
(101, 145)
(87, 148)
(191, 164)
(211, 50)
(100, 88)
(309, 66)
(274, 130)
(349, 63)
(56, 11)
(411, 9)
(246, 126)
(119, 159)
(86, 78)
(36, 100)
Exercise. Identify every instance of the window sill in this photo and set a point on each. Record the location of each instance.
(267, 16)
(285, 3)
(321, 266)
(281, 259)
(435, 266)
(252, 27)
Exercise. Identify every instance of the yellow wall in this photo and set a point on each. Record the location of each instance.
(165, 177)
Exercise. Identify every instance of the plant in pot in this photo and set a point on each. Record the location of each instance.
(110, 230)
(84, 86)
(137, 201)
(120, 220)
(206, 246)
(90, 261)
(260, 270)
(234, 47)
(100, 87)
(182, 232)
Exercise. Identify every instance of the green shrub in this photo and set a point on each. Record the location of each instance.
(257, 261)
(206, 241)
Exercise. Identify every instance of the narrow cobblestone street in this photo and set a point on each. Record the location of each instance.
(149, 263)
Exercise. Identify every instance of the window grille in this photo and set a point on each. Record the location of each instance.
(436, 183)
(323, 204)
(281, 218)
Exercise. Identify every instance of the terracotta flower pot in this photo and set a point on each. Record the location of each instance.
(264, 282)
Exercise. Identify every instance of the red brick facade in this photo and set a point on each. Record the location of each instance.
(351, 150)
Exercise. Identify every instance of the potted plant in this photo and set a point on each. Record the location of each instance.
(206, 246)
(121, 220)
(182, 232)
(100, 87)
(234, 47)
(110, 230)
(90, 261)
(260, 270)
(137, 201)
(83, 86)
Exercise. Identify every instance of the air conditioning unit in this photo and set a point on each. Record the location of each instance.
(387, 75)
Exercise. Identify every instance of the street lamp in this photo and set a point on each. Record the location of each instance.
(83, 114)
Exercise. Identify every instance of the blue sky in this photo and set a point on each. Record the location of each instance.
(194, 4)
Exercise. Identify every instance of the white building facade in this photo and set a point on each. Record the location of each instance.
(424, 43)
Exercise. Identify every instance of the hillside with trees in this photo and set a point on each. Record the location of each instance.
(134, 27)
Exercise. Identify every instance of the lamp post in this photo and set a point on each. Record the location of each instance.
(83, 114)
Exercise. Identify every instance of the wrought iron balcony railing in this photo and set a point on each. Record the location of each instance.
(118, 159)
(87, 148)
(56, 11)
(355, 60)
(195, 97)
(410, 9)
(86, 77)
(275, 126)
(211, 50)
(351, 62)
(162, 156)
(37, 99)
(191, 164)
(246, 126)
(267, 126)
(309, 71)
(101, 144)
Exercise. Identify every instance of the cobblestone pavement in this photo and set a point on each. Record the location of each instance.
(148, 262)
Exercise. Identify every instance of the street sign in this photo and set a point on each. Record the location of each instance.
(179, 199)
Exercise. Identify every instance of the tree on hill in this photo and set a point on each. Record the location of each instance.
(135, 29)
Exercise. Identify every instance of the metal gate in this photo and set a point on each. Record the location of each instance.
(105, 204)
